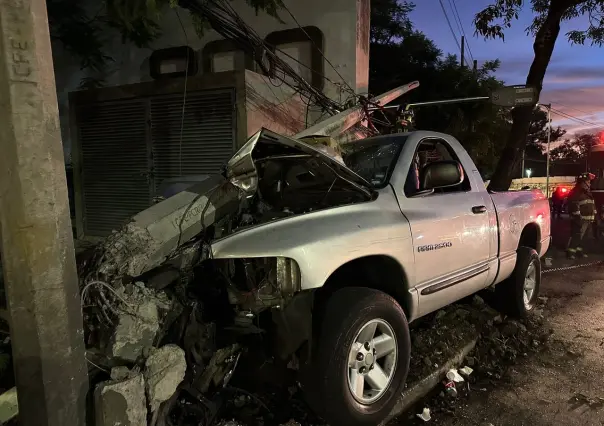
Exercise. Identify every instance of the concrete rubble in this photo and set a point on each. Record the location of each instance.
(164, 371)
(138, 322)
(121, 402)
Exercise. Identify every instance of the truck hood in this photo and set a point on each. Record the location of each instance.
(266, 146)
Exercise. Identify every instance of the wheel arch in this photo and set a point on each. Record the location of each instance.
(531, 237)
(379, 272)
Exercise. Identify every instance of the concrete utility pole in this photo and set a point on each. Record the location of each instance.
(37, 246)
(463, 51)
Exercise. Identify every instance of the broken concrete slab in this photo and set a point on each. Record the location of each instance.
(164, 371)
(135, 332)
(9, 406)
(138, 322)
(121, 403)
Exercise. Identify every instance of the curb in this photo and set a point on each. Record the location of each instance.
(421, 388)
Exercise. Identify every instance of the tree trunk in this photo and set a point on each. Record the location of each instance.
(545, 40)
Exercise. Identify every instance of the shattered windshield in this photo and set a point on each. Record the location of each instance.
(374, 159)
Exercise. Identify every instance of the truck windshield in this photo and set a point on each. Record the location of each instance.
(373, 159)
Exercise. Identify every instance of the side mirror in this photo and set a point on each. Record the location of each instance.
(441, 174)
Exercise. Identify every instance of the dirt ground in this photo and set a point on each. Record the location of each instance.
(562, 384)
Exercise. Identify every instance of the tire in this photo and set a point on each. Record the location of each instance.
(346, 313)
(510, 294)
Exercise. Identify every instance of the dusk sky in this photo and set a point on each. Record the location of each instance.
(574, 82)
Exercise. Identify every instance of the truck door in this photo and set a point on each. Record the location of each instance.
(450, 231)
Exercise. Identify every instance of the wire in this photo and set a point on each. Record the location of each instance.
(318, 49)
(460, 26)
(449, 23)
(573, 108)
(576, 119)
(225, 20)
(184, 96)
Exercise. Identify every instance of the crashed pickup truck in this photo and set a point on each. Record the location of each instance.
(331, 257)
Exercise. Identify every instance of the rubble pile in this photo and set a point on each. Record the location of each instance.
(160, 355)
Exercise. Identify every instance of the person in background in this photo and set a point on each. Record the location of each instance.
(581, 208)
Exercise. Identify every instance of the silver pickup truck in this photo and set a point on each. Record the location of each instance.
(406, 227)
(331, 251)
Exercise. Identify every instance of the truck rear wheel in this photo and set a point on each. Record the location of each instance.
(361, 359)
(517, 295)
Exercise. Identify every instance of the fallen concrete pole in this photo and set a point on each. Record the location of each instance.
(155, 233)
(419, 389)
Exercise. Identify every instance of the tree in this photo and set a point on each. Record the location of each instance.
(400, 54)
(575, 150)
(83, 34)
(548, 15)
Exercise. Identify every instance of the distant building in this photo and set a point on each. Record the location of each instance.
(124, 139)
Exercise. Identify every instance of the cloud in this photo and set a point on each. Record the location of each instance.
(585, 106)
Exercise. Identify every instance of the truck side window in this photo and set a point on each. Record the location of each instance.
(428, 151)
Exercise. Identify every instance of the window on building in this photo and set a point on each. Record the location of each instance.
(173, 62)
(302, 49)
(223, 55)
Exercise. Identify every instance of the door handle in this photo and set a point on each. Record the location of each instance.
(479, 209)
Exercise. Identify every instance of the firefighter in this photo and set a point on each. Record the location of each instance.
(581, 208)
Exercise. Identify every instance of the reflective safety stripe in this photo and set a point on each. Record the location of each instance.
(584, 202)
(577, 213)
(588, 217)
(579, 248)
(571, 250)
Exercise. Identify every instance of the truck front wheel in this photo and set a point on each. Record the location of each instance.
(361, 359)
(517, 295)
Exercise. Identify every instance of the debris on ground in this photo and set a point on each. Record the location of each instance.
(454, 376)
(425, 415)
(502, 341)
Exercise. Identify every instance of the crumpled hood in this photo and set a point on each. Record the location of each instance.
(266, 145)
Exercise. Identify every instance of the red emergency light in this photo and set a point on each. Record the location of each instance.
(563, 190)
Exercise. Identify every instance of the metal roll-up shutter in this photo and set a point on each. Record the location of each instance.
(115, 163)
(208, 133)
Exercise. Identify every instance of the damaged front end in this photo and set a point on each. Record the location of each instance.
(153, 294)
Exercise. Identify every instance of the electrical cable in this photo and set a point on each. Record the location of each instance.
(184, 96)
(225, 20)
(573, 108)
(449, 23)
(460, 25)
(317, 48)
(576, 119)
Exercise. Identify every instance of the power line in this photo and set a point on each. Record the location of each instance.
(576, 119)
(317, 47)
(460, 25)
(449, 23)
(573, 108)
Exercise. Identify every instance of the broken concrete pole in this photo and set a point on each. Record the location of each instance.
(164, 371)
(121, 403)
(158, 231)
(135, 332)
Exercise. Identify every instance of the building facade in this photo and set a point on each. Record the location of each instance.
(151, 123)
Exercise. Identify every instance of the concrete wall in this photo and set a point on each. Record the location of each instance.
(344, 24)
(279, 109)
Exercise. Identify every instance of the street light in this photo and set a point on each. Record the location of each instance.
(528, 173)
